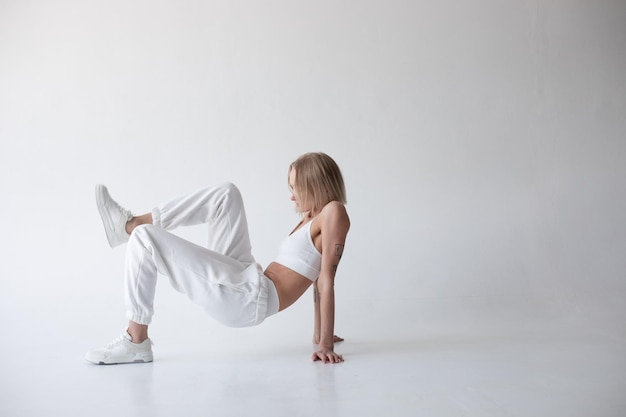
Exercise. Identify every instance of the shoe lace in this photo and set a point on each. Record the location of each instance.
(126, 213)
(117, 341)
(120, 339)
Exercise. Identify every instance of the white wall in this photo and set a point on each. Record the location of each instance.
(482, 143)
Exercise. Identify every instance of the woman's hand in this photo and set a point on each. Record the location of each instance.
(327, 356)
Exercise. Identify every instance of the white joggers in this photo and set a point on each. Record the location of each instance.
(224, 278)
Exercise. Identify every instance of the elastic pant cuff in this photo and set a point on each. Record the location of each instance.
(156, 218)
(138, 318)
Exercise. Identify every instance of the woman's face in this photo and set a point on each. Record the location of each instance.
(294, 192)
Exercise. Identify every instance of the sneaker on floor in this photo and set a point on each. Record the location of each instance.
(122, 350)
(114, 217)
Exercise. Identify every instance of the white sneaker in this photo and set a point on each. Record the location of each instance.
(114, 217)
(122, 350)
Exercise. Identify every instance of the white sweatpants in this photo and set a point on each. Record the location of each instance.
(223, 278)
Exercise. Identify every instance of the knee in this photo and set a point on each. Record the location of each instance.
(230, 190)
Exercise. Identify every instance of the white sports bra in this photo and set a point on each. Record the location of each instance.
(298, 253)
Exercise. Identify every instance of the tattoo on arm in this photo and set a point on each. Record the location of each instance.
(316, 295)
(338, 254)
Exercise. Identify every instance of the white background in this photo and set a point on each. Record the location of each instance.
(482, 143)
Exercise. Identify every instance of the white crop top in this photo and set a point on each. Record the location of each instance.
(298, 253)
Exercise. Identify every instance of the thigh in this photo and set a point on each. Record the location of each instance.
(225, 287)
(221, 208)
(174, 256)
(228, 229)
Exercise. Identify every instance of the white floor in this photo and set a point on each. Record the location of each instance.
(558, 370)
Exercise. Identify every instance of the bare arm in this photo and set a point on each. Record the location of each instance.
(317, 318)
(334, 225)
(316, 314)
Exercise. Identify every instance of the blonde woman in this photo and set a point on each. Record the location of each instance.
(224, 277)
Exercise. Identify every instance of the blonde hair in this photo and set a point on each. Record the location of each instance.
(318, 180)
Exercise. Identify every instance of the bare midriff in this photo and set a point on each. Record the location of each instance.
(289, 284)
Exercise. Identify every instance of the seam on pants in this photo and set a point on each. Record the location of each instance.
(143, 257)
(138, 302)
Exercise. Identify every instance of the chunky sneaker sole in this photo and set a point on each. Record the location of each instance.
(120, 351)
(114, 217)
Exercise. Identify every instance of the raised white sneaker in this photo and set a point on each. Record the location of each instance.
(114, 217)
(122, 350)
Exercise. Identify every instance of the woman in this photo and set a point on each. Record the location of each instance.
(224, 278)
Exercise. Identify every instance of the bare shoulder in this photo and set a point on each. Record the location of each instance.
(334, 214)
